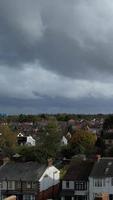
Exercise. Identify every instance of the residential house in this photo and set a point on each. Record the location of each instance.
(21, 139)
(64, 140)
(29, 180)
(25, 140)
(101, 178)
(75, 184)
(30, 141)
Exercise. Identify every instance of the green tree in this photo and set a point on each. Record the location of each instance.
(108, 123)
(31, 154)
(51, 138)
(7, 140)
(7, 137)
(82, 141)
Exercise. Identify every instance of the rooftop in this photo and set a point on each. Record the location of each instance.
(103, 168)
(79, 170)
(27, 171)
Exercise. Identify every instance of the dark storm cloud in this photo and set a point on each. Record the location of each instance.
(54, 54)
(55, 105)
(71, 38)
(65, 56)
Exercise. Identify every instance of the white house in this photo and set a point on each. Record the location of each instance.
(101, 178)
(50, 177)
(25, 140)
(30, 141)
(64, 141)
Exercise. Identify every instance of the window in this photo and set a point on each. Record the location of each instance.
(67, 184)
(1, 185)
(81, 185)
(29, 185)
(10, 184)
(18, 184)
(111, 181)
(98, 182)
(33, 185)
(28, 197)
(104, 182)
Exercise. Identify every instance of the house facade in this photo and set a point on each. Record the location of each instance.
(101, 178)
(29, 181)
(75, 185)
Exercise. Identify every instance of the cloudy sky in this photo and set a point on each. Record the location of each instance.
(56, 56)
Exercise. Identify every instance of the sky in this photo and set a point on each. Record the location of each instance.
(56, 56)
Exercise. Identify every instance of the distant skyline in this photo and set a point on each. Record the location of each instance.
(56, 56)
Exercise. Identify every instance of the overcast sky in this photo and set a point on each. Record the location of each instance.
(56, 56)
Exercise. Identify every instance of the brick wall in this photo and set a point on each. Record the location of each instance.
(51, 192)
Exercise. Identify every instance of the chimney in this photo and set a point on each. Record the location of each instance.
(50, 162)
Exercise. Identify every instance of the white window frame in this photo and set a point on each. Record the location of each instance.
(98, 182)
(28, 185)
(10, 185)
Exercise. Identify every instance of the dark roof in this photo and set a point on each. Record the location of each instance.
(103, 168)
(79, 170)
(27, 171)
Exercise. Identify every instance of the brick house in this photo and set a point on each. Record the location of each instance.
(29, 180)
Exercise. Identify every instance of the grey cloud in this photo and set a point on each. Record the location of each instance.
(71, 38)
(55, 105)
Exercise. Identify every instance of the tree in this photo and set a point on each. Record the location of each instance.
(48, 146)
(31, 154)
(7, 137)
(82, 141)
(50, 140)
(108, 123)
(100, 145)
(7, 140)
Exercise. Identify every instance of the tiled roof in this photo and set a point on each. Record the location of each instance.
(103, 168)
(79, 170)
(27, 171)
